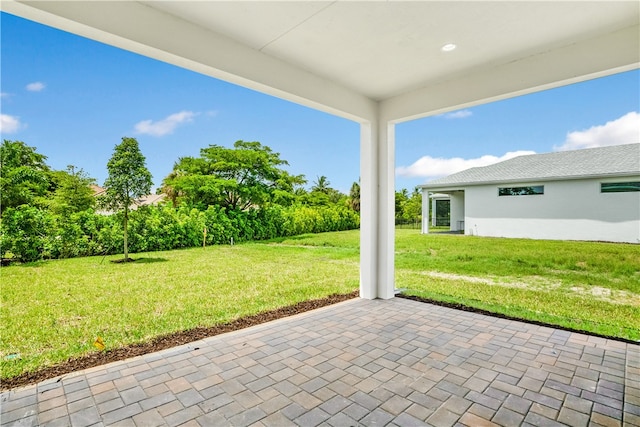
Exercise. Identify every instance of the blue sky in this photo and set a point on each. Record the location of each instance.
(74, 99)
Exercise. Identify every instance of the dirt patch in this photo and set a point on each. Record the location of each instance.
(532, 282)
(609, 295)
(123, 260)
(450, 276)
(167, 341)
(539, 283)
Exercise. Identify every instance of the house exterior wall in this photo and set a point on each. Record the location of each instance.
(457, 218)
(568, 210)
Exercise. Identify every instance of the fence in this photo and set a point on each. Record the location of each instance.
(408, 223)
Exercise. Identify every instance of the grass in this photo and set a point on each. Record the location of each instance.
(54, 310)
(588, 286)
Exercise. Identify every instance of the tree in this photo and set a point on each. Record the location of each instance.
(128, 180)
(23, 175)
(249, 175)
(322, 194)
(412, 209)
(72, 191)
(169, 190)
(321, 185)
(354, 197)
(401, 198)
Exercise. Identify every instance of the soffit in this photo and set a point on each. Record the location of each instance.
(367, 59)
(384, 49)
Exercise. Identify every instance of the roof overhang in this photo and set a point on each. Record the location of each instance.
(362, 60)
(460, 186)
(439, 196)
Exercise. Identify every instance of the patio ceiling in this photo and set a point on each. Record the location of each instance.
(346, 56)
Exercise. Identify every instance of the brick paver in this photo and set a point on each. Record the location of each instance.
(394, 362)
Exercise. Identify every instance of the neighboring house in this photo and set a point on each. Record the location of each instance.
(591, 194)
(148, 200)
(97, 190)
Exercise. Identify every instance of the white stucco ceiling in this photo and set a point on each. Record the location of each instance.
(384, 49)
(356, 58)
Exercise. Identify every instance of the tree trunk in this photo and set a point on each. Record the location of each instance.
(126, 244)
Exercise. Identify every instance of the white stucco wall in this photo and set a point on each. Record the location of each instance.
(568, 210)
(457, 218)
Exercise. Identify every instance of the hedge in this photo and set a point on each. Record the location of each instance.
(30, 234)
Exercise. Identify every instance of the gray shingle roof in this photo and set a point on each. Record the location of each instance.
(618, 160)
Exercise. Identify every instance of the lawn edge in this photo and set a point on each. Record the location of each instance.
(463, 307)
(163, 342)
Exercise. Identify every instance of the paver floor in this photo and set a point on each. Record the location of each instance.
(395, 362)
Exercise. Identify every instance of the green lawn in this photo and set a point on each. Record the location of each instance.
(587, 286)
(54, 310)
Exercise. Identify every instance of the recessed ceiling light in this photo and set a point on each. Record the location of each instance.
(448, 47)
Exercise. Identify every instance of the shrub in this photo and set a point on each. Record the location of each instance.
(26, 233)
(30, 233)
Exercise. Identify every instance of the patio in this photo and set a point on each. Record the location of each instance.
(361, 362)
(377, 360)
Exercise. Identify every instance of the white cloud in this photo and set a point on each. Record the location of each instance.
(625, 130)
(166, 125)
(9, 124)
(35, 86)
(4, 95)
(434, 167)
(460, 114)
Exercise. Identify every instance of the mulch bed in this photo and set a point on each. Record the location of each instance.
(167, 341)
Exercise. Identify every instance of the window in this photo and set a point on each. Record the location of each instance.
(443, 212)
(619, 187)
(521, 191)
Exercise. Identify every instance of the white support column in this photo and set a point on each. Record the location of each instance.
(386, 209)
(368, 210)
(426, 219)
(434, 212)
(377, 204)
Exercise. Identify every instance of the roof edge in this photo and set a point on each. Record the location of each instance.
(458, 185)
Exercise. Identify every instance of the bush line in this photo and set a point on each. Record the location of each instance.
(31, 234)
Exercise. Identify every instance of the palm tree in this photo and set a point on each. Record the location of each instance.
(169, 189)
(321, 185)
(354, 197)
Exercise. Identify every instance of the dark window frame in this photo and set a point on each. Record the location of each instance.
(620, 187)
(525, 190)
